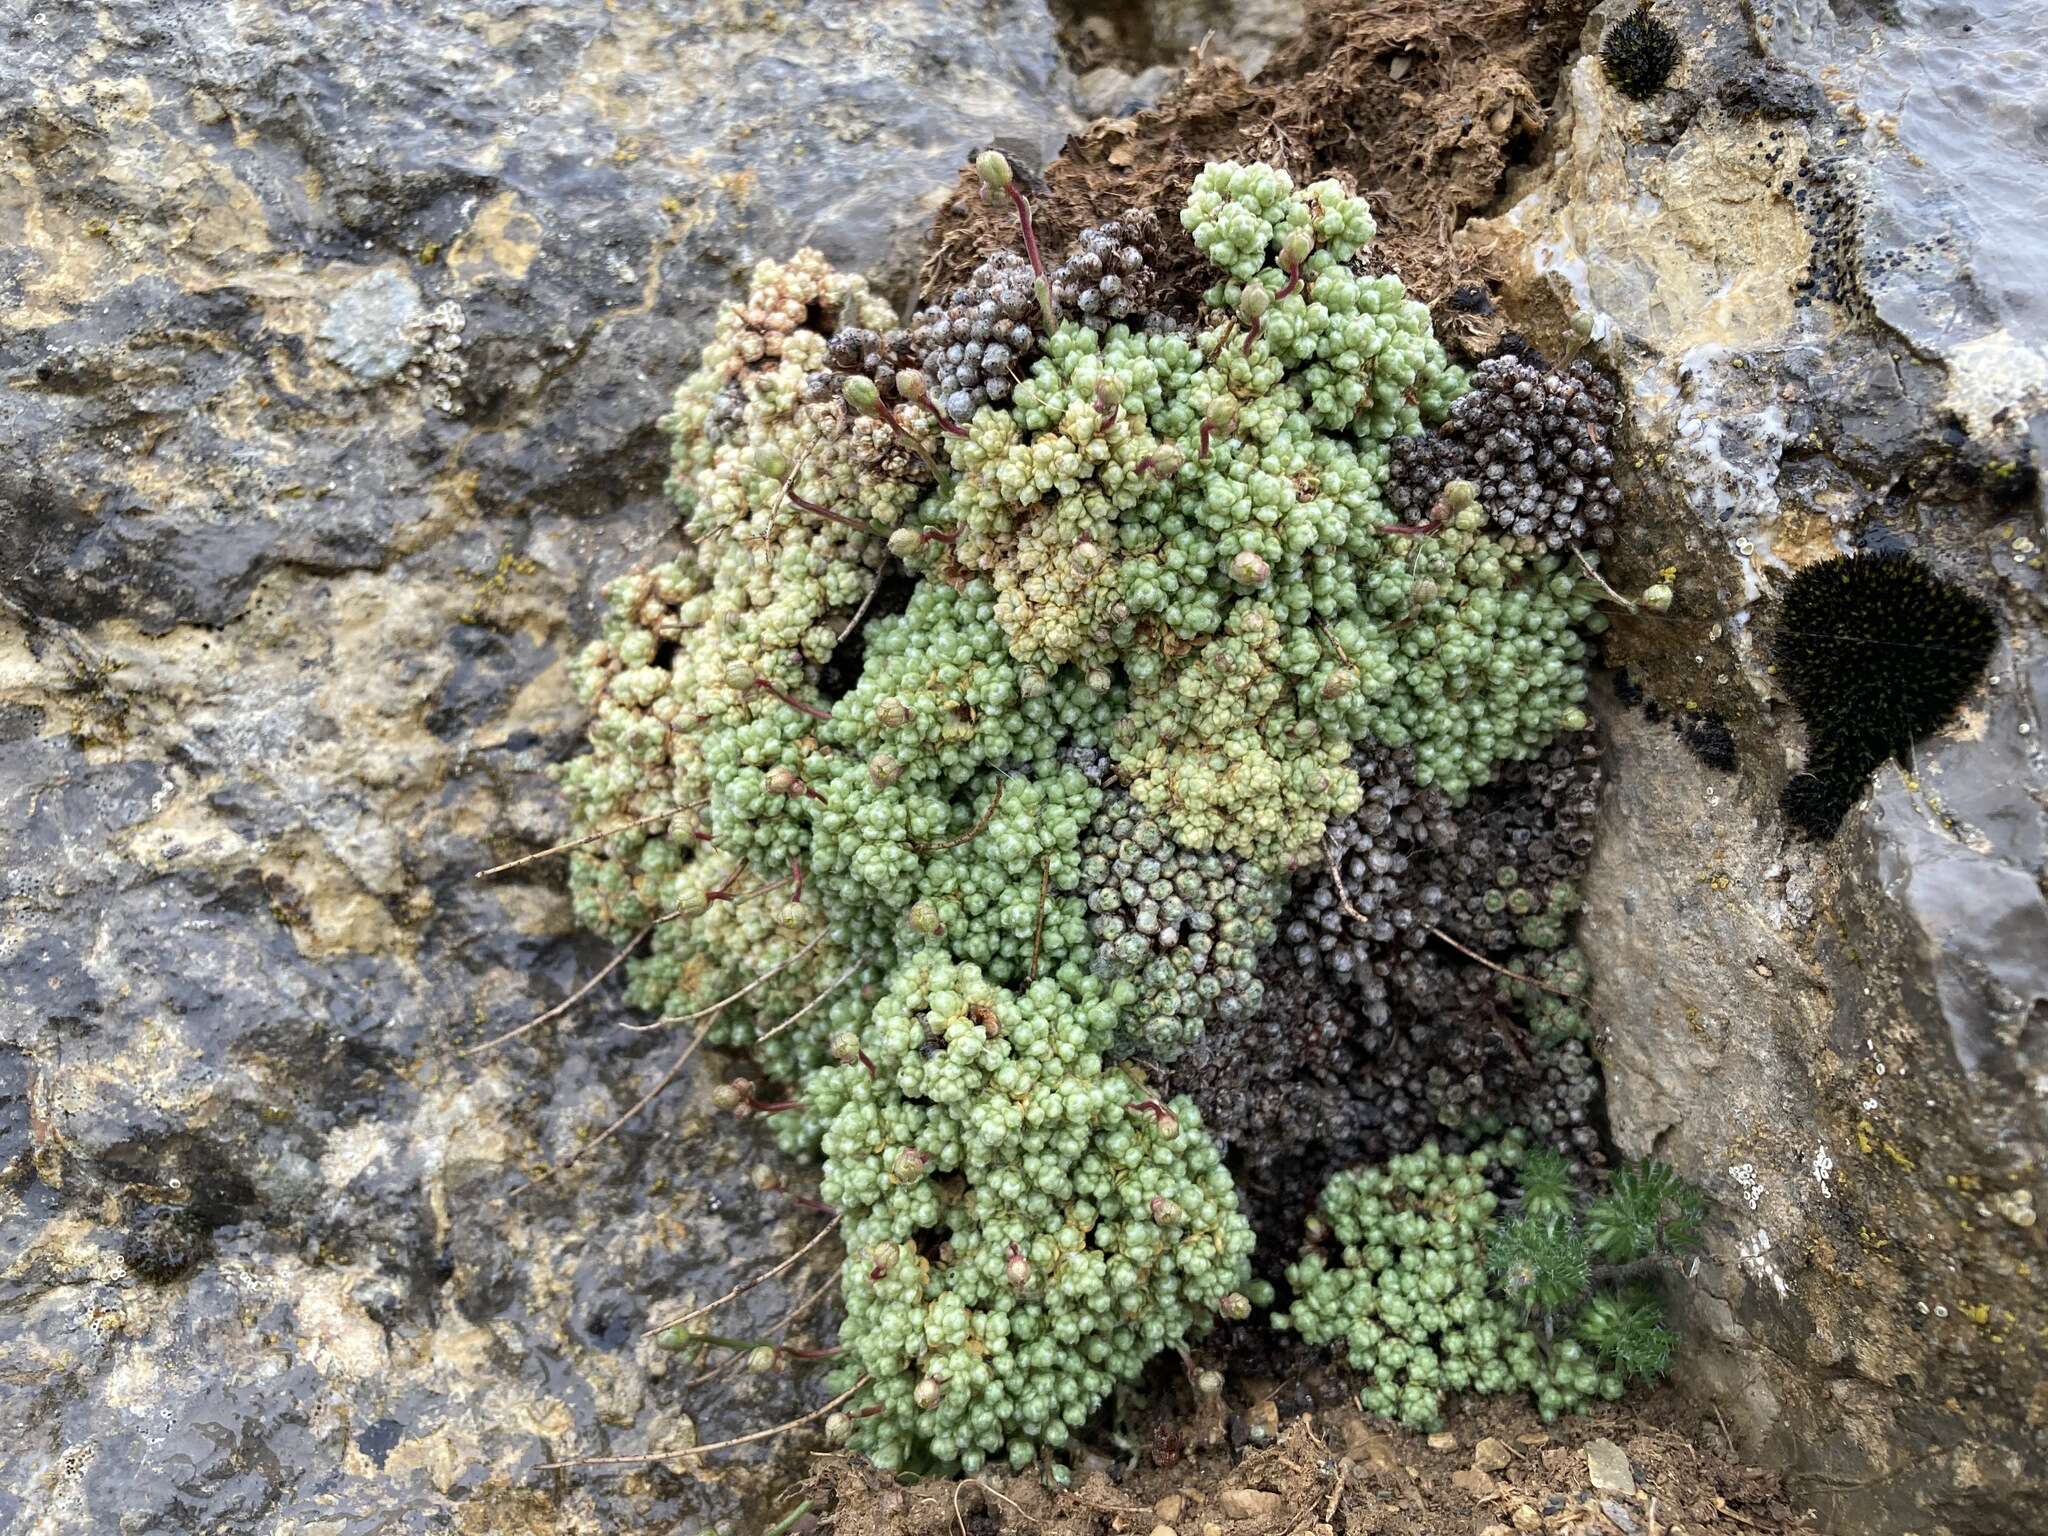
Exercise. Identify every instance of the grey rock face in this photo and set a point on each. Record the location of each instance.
(1814, 261)
(333, 339)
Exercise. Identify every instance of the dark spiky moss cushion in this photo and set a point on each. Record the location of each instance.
(1639, 53)
(1877, 651)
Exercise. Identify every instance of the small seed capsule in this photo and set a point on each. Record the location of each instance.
(862, 395)
(993, 169)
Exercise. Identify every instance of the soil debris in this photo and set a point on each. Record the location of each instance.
(1335, 1471)
(1422, 104)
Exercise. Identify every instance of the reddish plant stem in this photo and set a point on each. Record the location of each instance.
(810, 709)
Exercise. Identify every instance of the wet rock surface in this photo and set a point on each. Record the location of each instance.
(1801, 259)
(333, 340)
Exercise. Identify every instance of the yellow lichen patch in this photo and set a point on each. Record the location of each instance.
(501, 241)
(322, 904)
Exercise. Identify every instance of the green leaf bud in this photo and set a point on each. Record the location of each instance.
(862, 395)
(993, 169)
(910, 1165)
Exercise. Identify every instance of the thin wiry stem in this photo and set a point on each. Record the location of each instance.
(746, 1285)
(775, 1330)
(701, 1450)
(1473, 954)
(971, 833)
(1038, 927)
(861, 612)
(674, 1071)
(767, 975)
(836, 983)
(595, 837)
(574, 997)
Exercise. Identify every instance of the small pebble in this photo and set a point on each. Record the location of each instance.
(1607, 1466)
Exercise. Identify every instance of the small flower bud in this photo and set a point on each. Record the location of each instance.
(738, 675)
(905, 542)
(1209, 1383)
(1253, 303)
(764, 1178)
(1167, 1213)
(1294, 250)
(862, 395)
(761, 1359)
(892, 714)
(883, 1256)
(1032, 683)
(1222, 413)
(911, 385)
(727, 1096)
(928, 1392)
(1166, 462)
(771, 461)
(910, 1165)
(1099, 680)
(1109, 394)
(924, 918)
(792, 914)
(1460, 494)
(1247, 569)
(1341, 681)
(1235, 1306)
(993, 169)
(884, 770)
(1086, 557)
(839, 1428)
(845, 1047)
(1657, 598)
(675, 1338)
(782, 780)
(1017, 1270)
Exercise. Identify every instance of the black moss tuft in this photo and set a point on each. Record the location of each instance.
(1877, 650)
(1711, 742)
(162, 1243)
(1639, 54)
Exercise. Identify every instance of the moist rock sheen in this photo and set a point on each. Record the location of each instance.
(1827, 342)
(332, 342)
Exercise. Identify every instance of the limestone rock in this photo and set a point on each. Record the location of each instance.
(332, 341)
